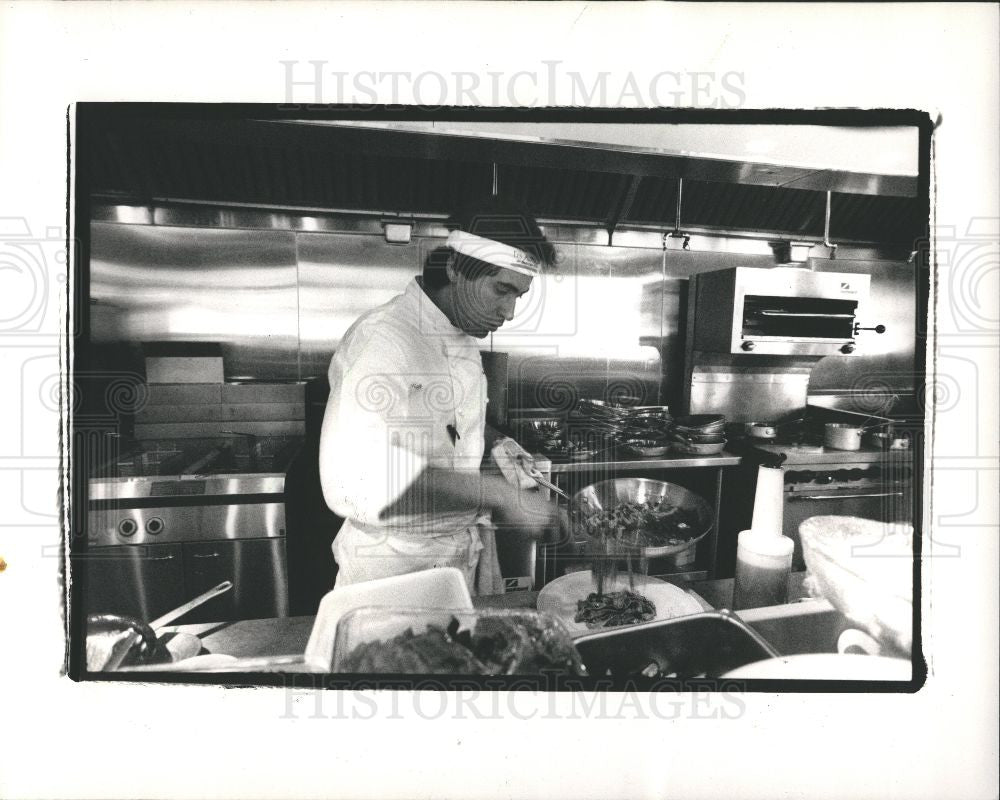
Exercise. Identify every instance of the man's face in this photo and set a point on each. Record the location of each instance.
(483, 304)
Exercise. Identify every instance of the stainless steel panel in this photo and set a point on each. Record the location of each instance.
(186, 524)
(592, 328)
(188, 486)
(746, 397)
(237, 288)
(603, 319)
(257, 568)
(855, 183)
(174, 370)
(143, 582)
(630, 233)
(884, 364)
(341, 277)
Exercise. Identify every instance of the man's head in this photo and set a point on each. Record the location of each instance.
(493, 253)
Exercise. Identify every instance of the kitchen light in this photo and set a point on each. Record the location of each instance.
(398, 232)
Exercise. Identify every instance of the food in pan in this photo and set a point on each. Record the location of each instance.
(495, 646)
(614, 608)
(653, 523)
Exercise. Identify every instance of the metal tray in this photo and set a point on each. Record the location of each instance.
(699, 645)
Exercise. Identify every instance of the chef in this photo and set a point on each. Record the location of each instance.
(404, 433)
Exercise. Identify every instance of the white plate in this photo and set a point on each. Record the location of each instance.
(560, 597)
(827, 666)
(181, 646)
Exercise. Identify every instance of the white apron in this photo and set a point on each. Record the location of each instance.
(366, 555)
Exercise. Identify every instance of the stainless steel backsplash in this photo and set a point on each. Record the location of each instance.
(607, 323)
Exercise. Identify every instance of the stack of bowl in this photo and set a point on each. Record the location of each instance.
(699, 434)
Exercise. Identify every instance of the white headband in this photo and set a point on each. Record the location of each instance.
(496, 253)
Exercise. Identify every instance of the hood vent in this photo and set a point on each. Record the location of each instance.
(275, 164)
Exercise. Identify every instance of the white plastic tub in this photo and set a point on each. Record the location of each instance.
(441, 587)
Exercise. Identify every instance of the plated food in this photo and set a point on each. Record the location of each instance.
(614, 608)
(561, 598)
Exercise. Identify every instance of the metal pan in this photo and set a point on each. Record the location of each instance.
(708, 644)
(699, 448)
(762, 430)
(700, 423)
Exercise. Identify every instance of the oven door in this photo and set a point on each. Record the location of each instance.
(887, 503)
(798, 318)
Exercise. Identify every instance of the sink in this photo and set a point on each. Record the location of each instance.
(809, 626)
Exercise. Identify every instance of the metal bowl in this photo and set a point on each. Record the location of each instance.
(606, 494)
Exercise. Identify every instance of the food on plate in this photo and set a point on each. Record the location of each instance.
(614, 608)
(656, 522)
(516, 645)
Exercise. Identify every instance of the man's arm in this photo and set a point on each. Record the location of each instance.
(447, 490)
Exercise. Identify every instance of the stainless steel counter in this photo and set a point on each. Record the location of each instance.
(828, 455)
(669, 461)
(823, 455)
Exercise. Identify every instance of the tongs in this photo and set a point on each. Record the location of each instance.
(549, 485)
(532, 472)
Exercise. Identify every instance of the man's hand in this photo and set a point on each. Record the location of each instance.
(530, 513)
(515, 463)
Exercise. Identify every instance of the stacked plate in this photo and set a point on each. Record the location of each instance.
(647, 431)
(699, 434)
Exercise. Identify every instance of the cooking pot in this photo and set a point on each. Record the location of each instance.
(762, 430)
(842, 436)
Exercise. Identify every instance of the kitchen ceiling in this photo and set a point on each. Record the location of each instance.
(281, 164)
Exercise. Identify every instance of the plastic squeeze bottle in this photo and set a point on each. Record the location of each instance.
(763, 563)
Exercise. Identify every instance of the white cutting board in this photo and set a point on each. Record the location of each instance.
(560, 597)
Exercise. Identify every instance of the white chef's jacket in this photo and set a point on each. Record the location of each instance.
(407, 390)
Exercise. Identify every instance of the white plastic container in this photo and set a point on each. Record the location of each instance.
(763, 563)
(441, 587)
